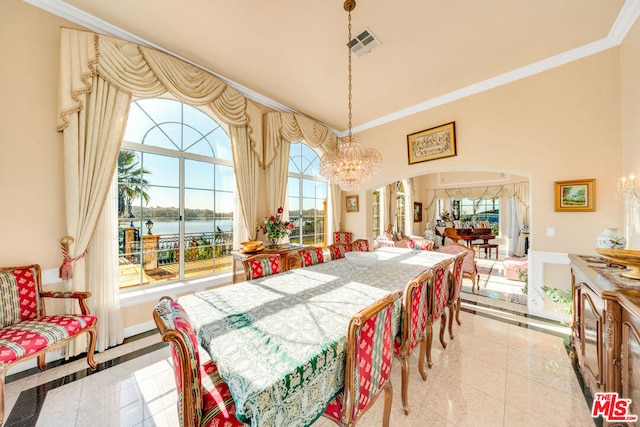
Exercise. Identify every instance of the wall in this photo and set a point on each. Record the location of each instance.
(559, 125)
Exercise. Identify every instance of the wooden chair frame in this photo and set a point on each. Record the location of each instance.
(440, 268)
(406, 333)
(455, 287)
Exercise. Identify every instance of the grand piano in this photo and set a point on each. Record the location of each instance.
(469, 234)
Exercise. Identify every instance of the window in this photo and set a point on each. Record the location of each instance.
(176, 196)
(400, 207)
(468, 210)
(307, 192)
(376, 213)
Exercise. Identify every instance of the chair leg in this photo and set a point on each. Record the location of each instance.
(388, 399)
(443, 325)
(2, 374)
(404, 362)
(423, 352)
(429, 341)
(458, 312)
(93, 337)
(451, 307)
(42, 361)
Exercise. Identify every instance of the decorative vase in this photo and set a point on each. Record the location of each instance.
(610, 238)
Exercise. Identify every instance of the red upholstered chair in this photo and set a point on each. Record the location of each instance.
(360, 245)
(26, 331)
(437, 298)
(262, 265)
(337, 250)
(413, 329)
(455, 287)
(421, 244)
(200, 402)
(311, 256)
(368, 364)
(342, 237)
(469, 266)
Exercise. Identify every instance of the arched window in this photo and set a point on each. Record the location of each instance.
(176, 197)
(400, 207)
(376, 212)
(307, 193)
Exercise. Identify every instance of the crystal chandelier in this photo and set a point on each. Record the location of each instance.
(351, 164)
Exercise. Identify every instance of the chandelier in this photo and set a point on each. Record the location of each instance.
(351, 164)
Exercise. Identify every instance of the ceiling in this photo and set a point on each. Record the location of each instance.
(291, 54)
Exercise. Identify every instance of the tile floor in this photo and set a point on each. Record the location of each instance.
(495, 372)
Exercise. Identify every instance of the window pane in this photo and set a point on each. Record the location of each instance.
(225, 178)
(198, 174)
(195, 142)
(161, 170)
(166, 137)
(293, 187)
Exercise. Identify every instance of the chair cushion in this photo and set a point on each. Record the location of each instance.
(218, 409)
(312, 256)
(264, 267)
(337, 251)
(30, 336)
(334, 408)
(342, 237)
(441, 297)
(19, 296)
(361, 246)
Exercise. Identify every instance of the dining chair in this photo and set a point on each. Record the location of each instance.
(360, 245)
(437, 298)
(337, 250)
(204, 398)
(469, 266)
(342, 237)
(413, 329)
(311, 256)
(455, 287)
(262, 265)
(368, 364)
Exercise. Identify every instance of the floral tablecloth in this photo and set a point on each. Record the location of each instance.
(279, 341)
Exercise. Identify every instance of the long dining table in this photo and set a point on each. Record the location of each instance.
(279, 341)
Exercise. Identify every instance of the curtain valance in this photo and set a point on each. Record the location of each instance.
(518, 190)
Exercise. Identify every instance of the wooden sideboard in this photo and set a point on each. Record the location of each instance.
(605, 329)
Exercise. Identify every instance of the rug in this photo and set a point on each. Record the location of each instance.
(494, 285)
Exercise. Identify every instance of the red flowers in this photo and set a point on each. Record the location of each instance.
(273, 226)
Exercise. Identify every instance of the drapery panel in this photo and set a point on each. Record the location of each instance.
(280, 130)
(98, 77)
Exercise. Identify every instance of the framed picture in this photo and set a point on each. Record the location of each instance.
(576, 196)
(417, 212)
(431, 144)
(352, 203)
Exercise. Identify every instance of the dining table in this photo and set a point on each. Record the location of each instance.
(279, 341)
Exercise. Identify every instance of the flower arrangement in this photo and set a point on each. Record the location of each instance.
(274, 227)
(446, 216)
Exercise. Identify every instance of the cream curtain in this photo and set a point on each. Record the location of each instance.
(409, 191)
(280, 130)
(390, 193)
(98, 77)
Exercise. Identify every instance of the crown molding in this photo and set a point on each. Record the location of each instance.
(623, 23)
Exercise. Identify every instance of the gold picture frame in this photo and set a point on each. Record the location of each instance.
(352, 203)
(434, 143)
(575, 195)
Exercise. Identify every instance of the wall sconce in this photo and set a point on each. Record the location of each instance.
(149, 225)
(627, 187)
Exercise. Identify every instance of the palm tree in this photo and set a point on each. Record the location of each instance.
(131, 183)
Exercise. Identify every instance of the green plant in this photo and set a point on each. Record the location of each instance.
(523, 276)
(560, 296)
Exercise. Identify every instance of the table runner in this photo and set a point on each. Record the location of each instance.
(279, 341)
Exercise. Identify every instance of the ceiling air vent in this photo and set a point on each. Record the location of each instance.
(364, 42)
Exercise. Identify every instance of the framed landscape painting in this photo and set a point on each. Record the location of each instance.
(575, 196)
(431, 144)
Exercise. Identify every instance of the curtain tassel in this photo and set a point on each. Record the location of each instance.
(66, 269)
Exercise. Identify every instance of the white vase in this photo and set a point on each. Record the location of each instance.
(610, 238)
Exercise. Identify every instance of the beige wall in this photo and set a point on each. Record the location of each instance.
(562, 124)
(559, 125)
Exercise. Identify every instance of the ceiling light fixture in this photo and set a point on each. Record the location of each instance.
(351, 164)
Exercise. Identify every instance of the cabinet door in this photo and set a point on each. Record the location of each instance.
(630, 374)
(591, 337)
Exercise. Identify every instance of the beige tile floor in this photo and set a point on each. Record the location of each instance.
(493, 373)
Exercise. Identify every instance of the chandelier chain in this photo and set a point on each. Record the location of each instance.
(350, 96)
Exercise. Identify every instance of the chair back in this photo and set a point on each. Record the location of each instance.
(342, 237)
(421, 244)
(455, 281)
(20, 289)
(438, 292)
(175, 327)
(262, 265)
(311, 256)
(469, 263)
(414, 312)
(368, 356)
(360, 245)
(337, 250)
